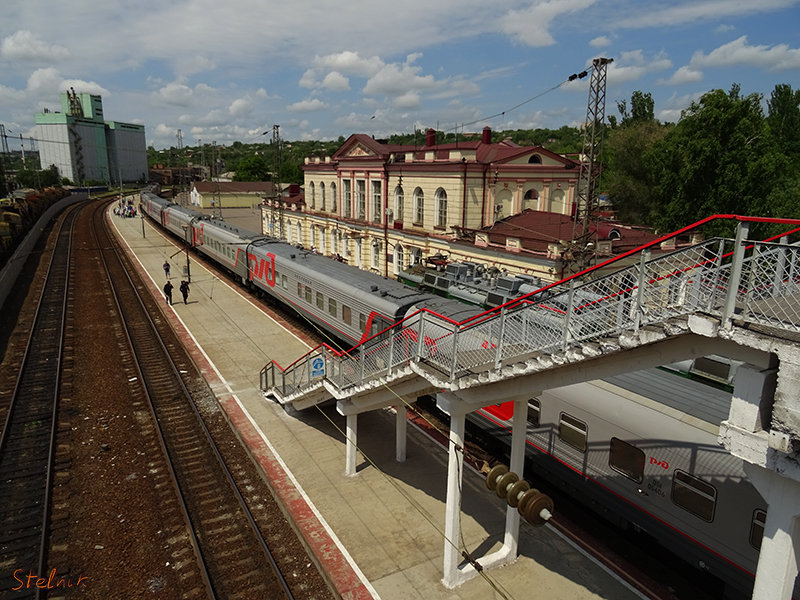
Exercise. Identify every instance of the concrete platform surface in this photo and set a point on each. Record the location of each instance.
(379, 534)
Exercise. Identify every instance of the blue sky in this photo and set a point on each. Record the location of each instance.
(228, 71)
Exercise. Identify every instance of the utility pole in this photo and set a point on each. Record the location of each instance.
(276, 141)
(590, 165)
(180, 168)
(595, 116)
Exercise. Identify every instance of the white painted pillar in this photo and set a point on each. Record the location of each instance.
(401, 426)
(455, 464)
(779, 557)
(518, 431)
(351, 445)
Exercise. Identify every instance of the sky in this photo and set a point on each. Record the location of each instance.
(320, 69)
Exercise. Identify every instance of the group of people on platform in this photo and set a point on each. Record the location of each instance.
(168, 287)
(125, 208)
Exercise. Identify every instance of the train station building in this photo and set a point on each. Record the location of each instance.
(383, 207)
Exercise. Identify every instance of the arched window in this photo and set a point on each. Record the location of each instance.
(531, 200)
(440, 203)
(299, 232)
(504, 204)
(535, 159)
(419, 206)
(416, 256)
(557, 203)
(375, 255)
(321, 240)
(311, 195)
(289, 231)
(333, 197)
(347, 198)
(399, 259)
(322, 195)
(398, 203)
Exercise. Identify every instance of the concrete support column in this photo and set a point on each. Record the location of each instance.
(401, 439)
(779, 557)
(455, 465)
(518, 430)
(351, 445)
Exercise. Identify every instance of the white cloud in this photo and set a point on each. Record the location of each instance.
(349, 63)
(531, 26)
(634, 64)
(25, 46)
(307, 105)
(600, 42)
(175, 93)
(692, 11)
(241, 107)
(336, 82)
(398, 78)
(685, 74)
(740, 53)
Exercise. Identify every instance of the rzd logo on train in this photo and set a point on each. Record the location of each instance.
(262, 268)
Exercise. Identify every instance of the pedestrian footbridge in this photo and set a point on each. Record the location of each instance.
(660, 304)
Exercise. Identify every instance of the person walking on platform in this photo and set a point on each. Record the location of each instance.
(166, 269)
(184, 290)
(168, 292)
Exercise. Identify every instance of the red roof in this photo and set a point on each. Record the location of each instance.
(536, 229)
(235, 187)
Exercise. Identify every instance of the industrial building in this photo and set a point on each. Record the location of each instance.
(87, 148)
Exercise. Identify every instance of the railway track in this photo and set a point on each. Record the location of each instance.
(28, 437)
(232, 559)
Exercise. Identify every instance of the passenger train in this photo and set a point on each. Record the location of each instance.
(640, 449)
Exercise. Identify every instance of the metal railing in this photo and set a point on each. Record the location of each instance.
(732, 279)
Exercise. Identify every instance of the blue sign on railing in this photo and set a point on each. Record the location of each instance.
(317, 368)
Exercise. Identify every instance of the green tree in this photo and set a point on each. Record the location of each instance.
(784, 118)
(642, 109)
(627, 178)
(717, 159)
(252, 168)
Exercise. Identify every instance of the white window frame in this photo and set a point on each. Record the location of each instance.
(419, 206)
(377, 200)
(440, 203)
(399, 200)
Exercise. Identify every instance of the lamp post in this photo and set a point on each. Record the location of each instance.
(186, 239)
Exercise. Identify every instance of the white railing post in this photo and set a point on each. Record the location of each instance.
(454, 362)
(780, 268)
(735, 279)
(638, 308)
(420, 335)
(498, 355)
(568, 314)
(391, 352)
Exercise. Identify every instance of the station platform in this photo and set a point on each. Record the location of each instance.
(379, 534)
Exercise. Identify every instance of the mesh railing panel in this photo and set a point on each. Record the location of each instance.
(680, 283)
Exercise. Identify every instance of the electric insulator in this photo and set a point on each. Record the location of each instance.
(493, 474)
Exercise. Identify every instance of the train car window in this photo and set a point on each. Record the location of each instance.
(694, 495)
(627, 459)
(284, 282)
(757, 528)
(573, 432)
(332, 308)
(308, 294)
(534, 412)
(346, 314)
(362, 321)
(299, 290)
(320, 301)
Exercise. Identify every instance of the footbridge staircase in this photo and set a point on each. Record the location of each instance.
(658, 304)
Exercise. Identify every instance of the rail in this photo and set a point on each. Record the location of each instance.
(756, 282)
